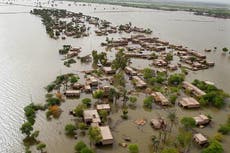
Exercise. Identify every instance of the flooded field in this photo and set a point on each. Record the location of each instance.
(29, 60)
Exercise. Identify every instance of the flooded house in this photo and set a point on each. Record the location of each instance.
(160, 63)
(103, 107)
(189, 102)
(200, 139)
(201, 120)
(91, 116)
(130, 71)
(160, 98)
(92, 81)
(77, 86)
(108, 70)
(72, 93)
(87, 89)
(158, 123)
(107, 137)
(172, 67)
(193, 89)
(139, 83)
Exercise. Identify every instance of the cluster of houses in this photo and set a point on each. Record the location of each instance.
(76, 89)
(92, 118)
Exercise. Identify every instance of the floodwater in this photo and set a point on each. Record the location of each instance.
(29, 60)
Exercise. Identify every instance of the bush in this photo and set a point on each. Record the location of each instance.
(79, 110)
(176, 79)
(79, 146)
(86, 101)
(70, 129)
(219, 137)
(224, 129)
(188, 122)
(133, 148)
(148, 101)
(214, 147)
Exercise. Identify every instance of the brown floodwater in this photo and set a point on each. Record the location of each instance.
(29, 60)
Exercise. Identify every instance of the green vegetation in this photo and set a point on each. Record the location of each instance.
(70, 129)
(120, 61)
(41, 146)
(94, 135)
(213, 97)
(79, 110)
(225, 128)
(188, 122)
(103, 114)
(170, 150)
(133, 148)
(176, 79)
(214, 147)
(125, 114)
(86, 101)
(26, 128)
(79, 146)
(99, 57)
(148, 101)
(119, 79)
(69, 62)
(65, 49)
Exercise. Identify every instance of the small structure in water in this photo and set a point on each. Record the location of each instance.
(202, 120)
(103, 107)
(107, 137)
(189, 102)
(193, 89)
(160, 98)
(91, 116)
(158, 123)
(72, 93)
(108, 70)
(200, 139)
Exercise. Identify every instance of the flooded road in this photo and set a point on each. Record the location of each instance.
(29, 60)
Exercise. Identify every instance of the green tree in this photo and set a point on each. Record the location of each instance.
(74, 79)
(214, 147)
(188, 122)
(120, 61)
(148, 73)
(133, 148)
(82, 126)
(79, 146)
(41, 146)
(176, 79)
(70, 129)
(103, 114)
(94, 135)
(225, 49)
(26, 128)
(125, 114)
(95, 57)
(98, 94)
(79, 110)
(119, 79)
(148, 101)
(169, 57)
(86, 101)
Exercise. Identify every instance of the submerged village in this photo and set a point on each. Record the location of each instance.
(111, 91)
